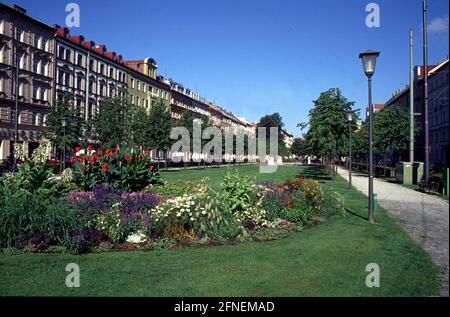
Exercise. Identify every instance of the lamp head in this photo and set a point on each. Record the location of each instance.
(369, 60)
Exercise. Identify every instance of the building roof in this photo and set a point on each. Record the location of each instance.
(17, 10)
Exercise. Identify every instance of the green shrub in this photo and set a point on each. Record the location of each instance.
(34, 219)
(236, 191)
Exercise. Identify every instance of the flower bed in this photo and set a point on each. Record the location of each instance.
(163, 216)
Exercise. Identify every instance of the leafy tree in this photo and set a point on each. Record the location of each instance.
(391, 130)
(63, 109)
(328, 127)
(269, 121)
(111, 120)
(360, 142)
(159, 124)
(299, 147)
(138, 127)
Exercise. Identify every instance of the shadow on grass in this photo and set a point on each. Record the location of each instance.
(315, 172)
(356, 214)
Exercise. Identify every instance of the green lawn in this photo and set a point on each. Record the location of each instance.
(327, 260)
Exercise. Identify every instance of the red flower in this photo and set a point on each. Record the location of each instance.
(84, 169)
(83, 158)
(107, 152)
(96, 157)
(105, 167)
(72, 160)
(89, 148)
(152, 167)
(128, 157)
(148, 152)
(77, 149)
(92, 160)
(100, 151)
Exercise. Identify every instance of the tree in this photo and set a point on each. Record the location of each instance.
(63, 109)
(328, 126)
(298, 147)
(269, 121)
(159, 125)
(111, 120)
(138, 127)
(391, 130)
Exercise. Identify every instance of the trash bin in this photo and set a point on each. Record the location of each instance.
(417, 172)
(404, 172)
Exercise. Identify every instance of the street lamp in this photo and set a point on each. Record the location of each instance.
(350, 116)
(369, 59)
(64, 125)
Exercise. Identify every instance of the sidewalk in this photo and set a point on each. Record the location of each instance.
(424, 217)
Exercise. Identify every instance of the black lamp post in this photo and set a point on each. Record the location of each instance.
(64, 125)
(350, 115)
(369, 59)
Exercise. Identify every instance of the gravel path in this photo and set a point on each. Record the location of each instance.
(424, 217)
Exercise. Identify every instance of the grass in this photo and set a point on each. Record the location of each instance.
(327, 260)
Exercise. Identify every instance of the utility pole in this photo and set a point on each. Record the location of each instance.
(425, 93)
(411, 98)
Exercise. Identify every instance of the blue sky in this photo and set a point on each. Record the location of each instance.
(259, 57)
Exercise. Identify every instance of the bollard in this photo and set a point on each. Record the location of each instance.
(375, 200)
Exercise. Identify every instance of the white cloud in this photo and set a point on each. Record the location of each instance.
(438, 25)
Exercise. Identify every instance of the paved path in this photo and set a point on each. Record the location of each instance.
(424, 217)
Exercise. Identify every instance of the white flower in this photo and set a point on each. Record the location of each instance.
(192, 219)
(138, 237)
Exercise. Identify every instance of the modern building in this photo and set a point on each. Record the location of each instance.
(438, 81)
(33, 44)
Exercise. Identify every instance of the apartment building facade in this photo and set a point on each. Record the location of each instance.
(87, 73)
(144, 88)
(32, 42)
(438, 81)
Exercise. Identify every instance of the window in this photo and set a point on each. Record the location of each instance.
(138, 85)
(132, 83)
(34, 118)
(79, 82)
(67, 79)
(43, 67)
(61, 52)
(68, 55)
(2, 27)
(35, 64)
(91, 86)
(2, 84)
(35, 92)
(60, 77)
(111, 73)
(91, 65)
(102, 69)
(80, 60)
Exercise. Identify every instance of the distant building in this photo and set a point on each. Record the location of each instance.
(288, 138)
